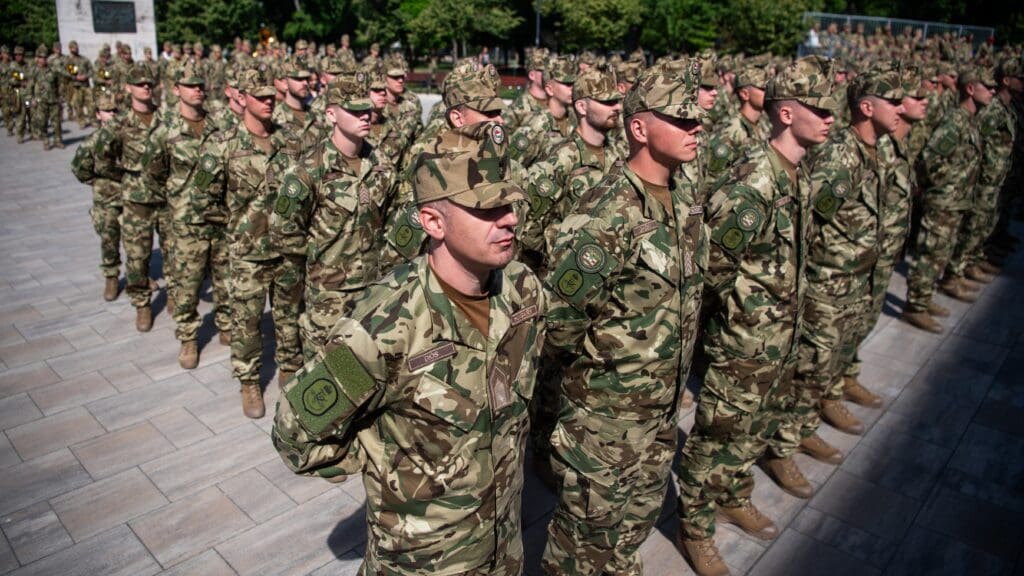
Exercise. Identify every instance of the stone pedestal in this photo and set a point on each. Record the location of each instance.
(95, 22)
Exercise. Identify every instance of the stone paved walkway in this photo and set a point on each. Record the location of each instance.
(113, 460)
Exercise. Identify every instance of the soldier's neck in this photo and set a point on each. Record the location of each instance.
(347, 145)
(969, 105)
(902, 129)
(648, 168)
(1004, 96)
(257, 127)
(557, 109)
(455, 274)
(538, 93)
(787, 146)
(748, 112)
(865, 131)
(143, 107)
(589, 134)
(189, 112)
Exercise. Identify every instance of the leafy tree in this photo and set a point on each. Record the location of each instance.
(458, 22)
(757, 25)
(597, 24)
(208, 21)
(681, 25)
(28, 23)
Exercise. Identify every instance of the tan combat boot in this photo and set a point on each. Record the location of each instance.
(787, 475)
(938, 311)
(820, 450)
(283, 376)
(143, 318)
(922, 320)
(110, 289)
(978, 275)
(703, 557)
(836, 414)
(855, 392)
(225, 337)
(989, 267)
(955, 288)
(749, 519)
(967, 284)
(188, 358)
(252, 400)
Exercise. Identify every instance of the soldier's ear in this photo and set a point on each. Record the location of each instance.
(581, 107)
(432, 218)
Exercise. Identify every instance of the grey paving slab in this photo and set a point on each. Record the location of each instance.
(208, 563)
(209, 461)
(300, 541)
(103, 504)
(17, 380)
(869, 507)
(899, 462)
(114, 553)
(8, 457)
(17, 410)
(795, 554)
(931, 553)
(256, 496)
(44, 435)
(39, 479)
(117, 451)
(979, 524)
(180, 427)
(143, 403)
(126, 376)
(8, 561)
(184, 529)
(35, 532)
(71, 393)
(299, 488)
(34, 350)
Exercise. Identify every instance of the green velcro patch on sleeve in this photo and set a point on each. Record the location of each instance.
(406, 235)
(830, 198)
(329, 393)
(582, 269)
(731, 236)
(946, 143)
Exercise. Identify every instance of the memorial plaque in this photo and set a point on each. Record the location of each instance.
(113, 17)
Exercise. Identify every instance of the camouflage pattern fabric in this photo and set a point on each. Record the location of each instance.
(952, 163)
(619, 251)
(847, 185)
(522, 109)
(18, 117)
(760, 223)
(237, 183)
(729, 141)
(79, 94)
(106, 203)
(44, 91)
(537, 137)
(330, 219)
(407, 115)
(997, 129)
(407, 385)
(196, 246)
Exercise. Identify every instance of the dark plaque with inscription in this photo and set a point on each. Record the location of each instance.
(113, 17)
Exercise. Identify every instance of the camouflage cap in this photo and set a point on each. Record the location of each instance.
(538, 60)
(596, 84)
(301, 45)
(56, 44)
(216, 49)
(147, 50)
(297, 70)
(981, 74)
(197, 46)
(396, 65)
(105, 49)
(140, 74)
(4, 49)
(106, 103)
(477, 89)
(473, 178)
(1009, 68)
(882, 81)
(809, 80)
(350, 91)
(756, 76)
(375, 47)
(19, 50)
(338, 66)
(708, 77)
(911, 78)
(188, 75)
(41, 51)
(627, 72)
(232, 75)
(560, 69)
(377, 81)
(946, 68)
(670, 90)
(73, 45)
(257, 82)
(587, 57)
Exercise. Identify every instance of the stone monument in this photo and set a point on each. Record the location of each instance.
(95, 22)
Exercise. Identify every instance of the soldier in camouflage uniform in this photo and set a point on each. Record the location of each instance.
(1000, 242)
(743, 129)
(387, 138)
(404, 106)
(102, 78)
(847, 186)
(120, 70)
(5, 70)
(17, 97)
(625, 287)
(293, 112)
(43, 90)
(997, 127)
(533, 98)
(952, 163)
(760, 225)
(198, 247)
(79, 71)
(573, 166)
(231, 115)
(240, 172)
(535, 138)
(424, 386)
(330, 211)
(894, 210)
(106, 197)
(216, 73)
(145, 209)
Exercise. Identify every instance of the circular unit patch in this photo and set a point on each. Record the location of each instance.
(590, 258)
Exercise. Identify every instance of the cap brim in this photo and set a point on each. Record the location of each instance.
(262, 92)
(685, 111)
(489, 196)
(360, 105)
(487, 105)
(825, 103)
(192, 82)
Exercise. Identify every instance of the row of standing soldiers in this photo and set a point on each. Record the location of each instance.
(780, 260)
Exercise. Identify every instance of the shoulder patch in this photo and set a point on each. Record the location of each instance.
(749, 219)
(581, 272)
(324, 396)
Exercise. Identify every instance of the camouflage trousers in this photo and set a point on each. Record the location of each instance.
(882, 275)
(614, 475)
(8, 108)
(106, 221)
(828, 342)
(44, 116)
(20, 116)
(940, 227)
(252, 283)
(323, 310)
(977, 226)
(504, 566)
(199, 251)
(139, 223)
(80, 105)
(740, 409)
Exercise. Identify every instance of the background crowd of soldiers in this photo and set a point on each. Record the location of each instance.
(294, 174)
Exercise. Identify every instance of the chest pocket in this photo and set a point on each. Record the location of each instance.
(787, 257)
(453, 409)
(657, 272)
